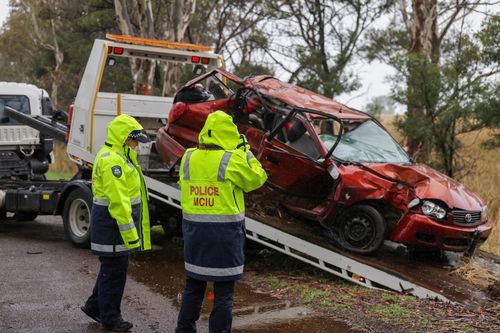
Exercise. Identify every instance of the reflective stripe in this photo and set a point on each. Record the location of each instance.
(186, 165)
(105, 202)
(214, 218)
(105, 154)
(249, 157)
(230, 271)
(125, 227)
(135, 201)
(100, 202)
(108, 248)
(223, 166)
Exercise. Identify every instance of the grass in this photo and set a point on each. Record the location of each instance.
(56, 175)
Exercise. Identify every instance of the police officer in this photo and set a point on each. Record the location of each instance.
(119, 219)
(213, 178)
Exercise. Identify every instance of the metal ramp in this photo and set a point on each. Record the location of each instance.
(315, 255)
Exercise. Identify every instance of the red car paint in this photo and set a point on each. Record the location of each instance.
(389, 187)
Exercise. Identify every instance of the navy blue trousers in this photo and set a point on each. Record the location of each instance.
(221, 317)
(107, 295)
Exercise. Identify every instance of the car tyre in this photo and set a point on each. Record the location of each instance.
(360, 229)
(76, 217)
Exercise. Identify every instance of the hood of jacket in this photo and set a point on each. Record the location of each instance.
(120, 128)
(220, 130)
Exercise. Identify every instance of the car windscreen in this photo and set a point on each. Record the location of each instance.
(366, 142)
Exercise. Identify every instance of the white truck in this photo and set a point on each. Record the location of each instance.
(24, 153)
(100, 98)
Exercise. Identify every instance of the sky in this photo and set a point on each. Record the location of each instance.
(373, 76)
(4, 10)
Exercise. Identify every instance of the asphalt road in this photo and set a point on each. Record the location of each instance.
(44, 280)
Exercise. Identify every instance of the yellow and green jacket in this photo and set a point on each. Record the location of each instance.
(120, 216)
(213, 178)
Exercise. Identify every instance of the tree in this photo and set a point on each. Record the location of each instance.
(381, 105)
(235, 29)
(33, 53)
(316, 41)
(442, 73)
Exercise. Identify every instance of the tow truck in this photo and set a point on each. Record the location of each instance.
(99, 100)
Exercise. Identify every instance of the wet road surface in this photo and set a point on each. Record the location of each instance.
(44, 280)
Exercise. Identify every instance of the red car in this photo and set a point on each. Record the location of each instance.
(335, 165)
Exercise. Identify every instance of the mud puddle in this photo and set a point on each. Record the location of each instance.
(163, 271)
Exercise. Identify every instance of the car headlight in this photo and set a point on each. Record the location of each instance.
(484, 213)
(431, 209)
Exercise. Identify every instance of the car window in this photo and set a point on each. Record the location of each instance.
(17, 102)
(296, 134)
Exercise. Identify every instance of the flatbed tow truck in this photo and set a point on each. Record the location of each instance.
(86, 131)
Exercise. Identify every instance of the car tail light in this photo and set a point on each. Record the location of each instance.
(205, 61)
(118, 50)
(176, 112)
(68, 123)
(195, 59)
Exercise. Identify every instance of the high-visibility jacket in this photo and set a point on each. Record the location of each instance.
(120, 216)
(213, 178)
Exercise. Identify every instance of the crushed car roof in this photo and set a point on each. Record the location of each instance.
(302, 98)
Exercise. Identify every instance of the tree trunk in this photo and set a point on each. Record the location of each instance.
(142, 70)
(424, 48)
(46, 37)
(174, 29)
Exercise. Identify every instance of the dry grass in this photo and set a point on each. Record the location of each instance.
(482, 178)
(62, 164)
(477, 274)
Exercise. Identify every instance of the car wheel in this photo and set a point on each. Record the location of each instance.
(76, 217)
(361, 229)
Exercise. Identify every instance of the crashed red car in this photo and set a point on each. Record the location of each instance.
(335, 165)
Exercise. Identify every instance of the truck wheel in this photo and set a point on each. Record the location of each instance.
(26, 216)
(172, 226)
(360, 229)
(76, 217)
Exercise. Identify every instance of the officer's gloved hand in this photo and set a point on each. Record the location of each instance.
(243, 145)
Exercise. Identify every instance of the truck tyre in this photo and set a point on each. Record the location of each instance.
(172, 226)
(76, 217)
(360, 229)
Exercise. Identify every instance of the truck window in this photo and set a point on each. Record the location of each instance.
(117, 76)
(17, 102)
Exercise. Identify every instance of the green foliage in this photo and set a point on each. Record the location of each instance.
(27, 57)
(447, 98)
(246, 69)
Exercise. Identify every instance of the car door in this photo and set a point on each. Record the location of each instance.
(293, 162)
